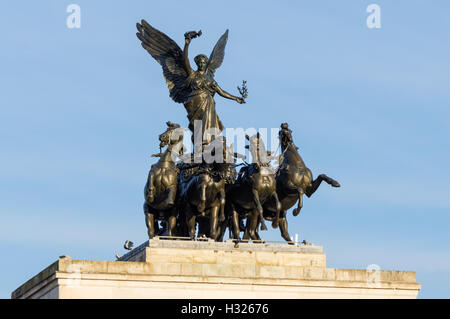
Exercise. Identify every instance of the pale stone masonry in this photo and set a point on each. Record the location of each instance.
(204, 269)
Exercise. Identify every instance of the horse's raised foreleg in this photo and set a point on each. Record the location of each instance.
(296, 211)
(259, 208)
(316, 183)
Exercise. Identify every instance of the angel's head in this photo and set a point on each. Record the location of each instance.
(201, 60)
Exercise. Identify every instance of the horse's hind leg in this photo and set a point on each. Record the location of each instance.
(201, 207)
(149, 191)
(235, 222)
(258, 238)
(221, 229)
(246, 236)
(213, 220)
(149, 221)
(284, 230)
(252, 225)
(222, 204)
(278, 206)
(203, 224)
(171, 222)
(171, 196)
(190, 221)
(258, 208)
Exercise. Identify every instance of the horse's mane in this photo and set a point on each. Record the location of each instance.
(291, 149)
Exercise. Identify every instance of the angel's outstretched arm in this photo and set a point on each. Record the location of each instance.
(186, 56)
(227, 95)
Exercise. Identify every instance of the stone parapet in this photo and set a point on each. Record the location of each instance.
(195, 269)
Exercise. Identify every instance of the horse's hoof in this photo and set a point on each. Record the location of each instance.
(263, 227)
(335, 183)
(275, 224)
(295, 212)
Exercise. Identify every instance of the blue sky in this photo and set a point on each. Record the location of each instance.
(81, 110)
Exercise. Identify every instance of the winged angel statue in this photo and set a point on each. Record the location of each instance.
(195, 89)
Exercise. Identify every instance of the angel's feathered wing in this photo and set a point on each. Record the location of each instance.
(217, 54)
(169, 55)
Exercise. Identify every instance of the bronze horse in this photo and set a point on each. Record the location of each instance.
(228, 169)
(202, 194)
(255, 185)
(161, 188)
(293, 179)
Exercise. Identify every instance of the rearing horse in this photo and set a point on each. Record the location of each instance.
(293, 180)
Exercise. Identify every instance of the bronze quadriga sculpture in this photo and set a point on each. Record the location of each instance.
(211, 194)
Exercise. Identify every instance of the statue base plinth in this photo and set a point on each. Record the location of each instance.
(203, 269)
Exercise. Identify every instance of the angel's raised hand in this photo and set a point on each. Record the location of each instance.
(240, 100)
(191, 35)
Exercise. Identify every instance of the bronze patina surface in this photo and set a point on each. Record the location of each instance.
(194, 88)
(212, 195)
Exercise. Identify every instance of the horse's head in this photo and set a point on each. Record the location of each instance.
(289, 152)
(173, 139)
(285, 136)
(172, 135)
